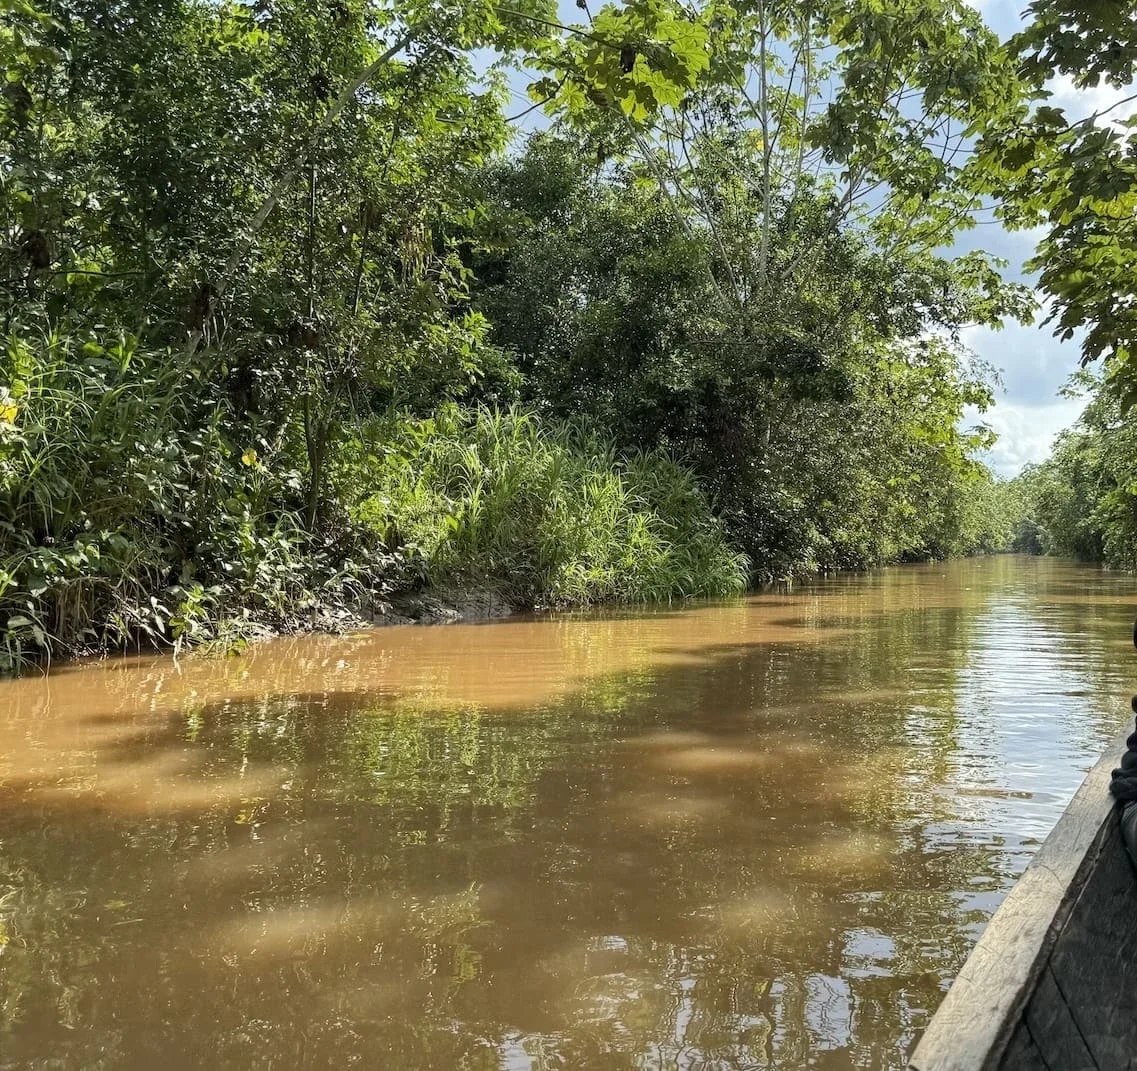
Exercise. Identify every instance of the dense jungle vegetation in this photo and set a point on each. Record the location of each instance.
(1076, 180)
(1082, 501)
(293, 321)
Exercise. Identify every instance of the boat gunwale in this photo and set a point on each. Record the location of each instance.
(974, 1024)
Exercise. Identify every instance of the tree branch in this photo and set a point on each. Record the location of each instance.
(285, 182)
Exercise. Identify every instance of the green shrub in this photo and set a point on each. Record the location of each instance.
(128, 516)
(552, 515)
(135, 510)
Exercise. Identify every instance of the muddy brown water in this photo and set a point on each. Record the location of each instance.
(761, 834)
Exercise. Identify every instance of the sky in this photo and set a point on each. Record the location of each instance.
(1032, 364)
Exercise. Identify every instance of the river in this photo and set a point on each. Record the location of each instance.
(757, 834)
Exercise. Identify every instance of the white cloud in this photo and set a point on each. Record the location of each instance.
(1081, 103)
(1028, 412)
(1033, 364)
(1026, 432)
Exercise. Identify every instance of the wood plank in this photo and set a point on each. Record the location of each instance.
(982, 1010)
(1129, 830)
(1052, 1026)
(1095, 961)
(1022, 1053)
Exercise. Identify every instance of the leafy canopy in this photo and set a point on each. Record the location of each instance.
(1075, 176)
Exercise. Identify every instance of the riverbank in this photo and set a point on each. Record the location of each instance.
(448, 604)
(439, 608)
(129, 534)
(459, 515)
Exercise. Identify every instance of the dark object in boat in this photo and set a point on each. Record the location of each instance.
(1123, 785)
(1052, 983)
(1124, 782)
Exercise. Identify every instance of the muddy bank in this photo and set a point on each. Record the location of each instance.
(440, 607)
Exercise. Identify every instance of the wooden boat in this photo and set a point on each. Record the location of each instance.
(1052, 983)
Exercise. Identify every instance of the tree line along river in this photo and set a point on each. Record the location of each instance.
(755, 834)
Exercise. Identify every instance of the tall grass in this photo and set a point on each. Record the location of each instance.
(552, 515)
(127, 514)
(135, 509)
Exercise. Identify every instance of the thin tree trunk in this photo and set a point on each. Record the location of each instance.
(311, 266)
(804, 107)
(764, 106)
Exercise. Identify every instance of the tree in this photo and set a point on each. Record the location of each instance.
(224, 230)
(771, 102)
(837, 411)
(1082, 500)
(783, 205)
(164, 198)
(1076, 177)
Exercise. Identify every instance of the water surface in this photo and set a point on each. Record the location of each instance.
(761, 834)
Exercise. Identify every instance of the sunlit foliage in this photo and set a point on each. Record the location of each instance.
(251, 251)
(1082, 501)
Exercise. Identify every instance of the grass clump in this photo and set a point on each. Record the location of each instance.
(552, 515)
